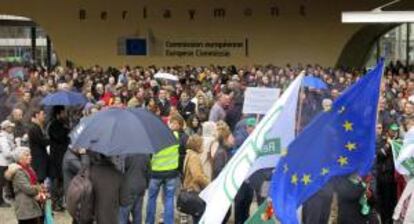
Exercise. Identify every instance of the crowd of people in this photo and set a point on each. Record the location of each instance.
(204, 111)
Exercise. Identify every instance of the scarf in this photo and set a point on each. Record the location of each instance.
(31, 173)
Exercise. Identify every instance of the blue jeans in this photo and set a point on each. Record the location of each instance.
(135, 209)
(169, 185)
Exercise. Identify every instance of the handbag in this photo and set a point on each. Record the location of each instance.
(189, 202)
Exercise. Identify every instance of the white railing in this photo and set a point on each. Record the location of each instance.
(21, 42)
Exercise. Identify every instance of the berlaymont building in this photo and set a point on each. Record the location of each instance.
(202, 32)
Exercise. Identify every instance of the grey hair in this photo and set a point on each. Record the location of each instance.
(326, 100)
(18, 152)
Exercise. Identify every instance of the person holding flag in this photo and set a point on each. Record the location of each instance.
(404, 165)
(338, 142)
(262, 149)
(385, 173)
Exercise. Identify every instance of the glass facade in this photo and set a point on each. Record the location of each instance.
(397, 44)
(16, 45)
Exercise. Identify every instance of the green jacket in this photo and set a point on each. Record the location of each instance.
(25, 205)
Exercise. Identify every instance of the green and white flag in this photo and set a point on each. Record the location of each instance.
(396, 146)
(263, 215)
(262, 149)
(403, 153)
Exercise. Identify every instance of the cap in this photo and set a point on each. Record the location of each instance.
(251, 122)
(6, 124)
(394, 127)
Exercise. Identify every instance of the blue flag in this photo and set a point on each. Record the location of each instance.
(337, 142)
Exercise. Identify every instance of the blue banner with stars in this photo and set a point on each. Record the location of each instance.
(337, 142)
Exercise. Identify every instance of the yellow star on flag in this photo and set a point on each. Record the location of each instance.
(348, 126)
(342, 110)
(285, 168)
(324, 171)
(343, 160)
(306, 179)
(294, 179)
(350, 146)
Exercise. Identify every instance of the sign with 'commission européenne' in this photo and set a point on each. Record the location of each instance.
(206, 48)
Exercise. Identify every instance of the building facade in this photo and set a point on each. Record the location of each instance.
(239, 32)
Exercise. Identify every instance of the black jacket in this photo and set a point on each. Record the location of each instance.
(384, 161)
(164, 107)
(38, 143)
(59, 140)
(135, 179)
(317, 209)
(187, 110)
(106, 181)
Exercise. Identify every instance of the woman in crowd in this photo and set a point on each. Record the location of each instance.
(210, 144)
(220, 156)
(29, 195)
(194, 177)
(193, 125)
(203, 108)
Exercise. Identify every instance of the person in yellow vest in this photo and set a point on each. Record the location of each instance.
(165, 172)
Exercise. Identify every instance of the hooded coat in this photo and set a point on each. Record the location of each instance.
(25, 206)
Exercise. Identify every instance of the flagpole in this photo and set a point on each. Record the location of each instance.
(299, 118)
(380, 87)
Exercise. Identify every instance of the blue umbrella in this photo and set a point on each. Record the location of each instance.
(64, 98)
(121, 132)
(314, 82)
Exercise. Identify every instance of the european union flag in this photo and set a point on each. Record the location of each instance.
(337, 142)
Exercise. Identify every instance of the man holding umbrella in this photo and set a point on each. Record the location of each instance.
(124, 134)
(58, 132)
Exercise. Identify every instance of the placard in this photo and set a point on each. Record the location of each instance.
(259, 100)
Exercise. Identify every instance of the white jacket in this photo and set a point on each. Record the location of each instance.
(6, 148)
(409, 215)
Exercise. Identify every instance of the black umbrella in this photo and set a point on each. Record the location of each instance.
(122, 131)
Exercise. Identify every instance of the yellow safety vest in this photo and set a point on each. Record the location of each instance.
(166, 159)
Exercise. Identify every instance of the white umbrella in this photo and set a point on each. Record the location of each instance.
(168, 76)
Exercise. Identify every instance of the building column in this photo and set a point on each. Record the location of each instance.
(48, 53)
(33, 41)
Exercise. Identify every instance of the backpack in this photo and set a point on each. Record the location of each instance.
(80, 197)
